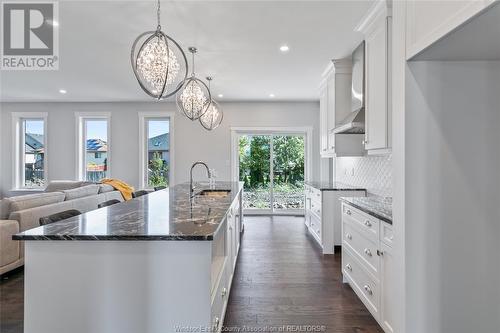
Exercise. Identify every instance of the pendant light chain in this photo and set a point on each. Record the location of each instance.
(158, 15)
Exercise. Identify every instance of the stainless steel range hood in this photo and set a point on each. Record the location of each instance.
(354, 123)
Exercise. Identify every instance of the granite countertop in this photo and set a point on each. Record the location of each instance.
(163, 215)
(380, 208)
(335, 186)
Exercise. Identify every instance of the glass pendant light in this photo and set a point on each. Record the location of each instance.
(211, 119)
(159, 64)
(194, 97)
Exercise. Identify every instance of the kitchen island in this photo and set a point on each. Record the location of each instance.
(162, 262)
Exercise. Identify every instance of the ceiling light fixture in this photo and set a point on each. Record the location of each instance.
(271, 95)
(194, 97)
(159, 64)
(284, 48)
(211, 119)
(62, 91)
(220, 95)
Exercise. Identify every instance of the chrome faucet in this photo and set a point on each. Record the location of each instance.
(191, 187)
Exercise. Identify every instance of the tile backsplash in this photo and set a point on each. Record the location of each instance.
(372, 172)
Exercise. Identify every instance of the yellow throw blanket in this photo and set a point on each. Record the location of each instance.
(124, 188)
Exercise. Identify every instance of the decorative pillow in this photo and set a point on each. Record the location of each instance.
(62, 185)
(105, 188)
(23, 202)
(81, 192)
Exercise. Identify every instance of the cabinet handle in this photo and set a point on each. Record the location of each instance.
(368, 289)
(349, 236)
(380, 253)
(224, 292)
(368, 224)
(368, 252)
(348, 267)
(348, 212)
(391, 238)
(216, 324)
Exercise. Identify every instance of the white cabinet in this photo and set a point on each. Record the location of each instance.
(335, 105)
(368, 263)
(429, 21)
(323, 215)
(378, 35)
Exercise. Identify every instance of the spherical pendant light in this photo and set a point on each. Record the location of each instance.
(194, 97)
(159, 64)
(211, 119)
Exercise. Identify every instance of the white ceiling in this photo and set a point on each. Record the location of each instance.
(238, 44)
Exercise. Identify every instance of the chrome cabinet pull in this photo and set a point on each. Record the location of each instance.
(380, 253)
(349, 236)
(368, 252)
(368, 223)
(368, 289)
(224, 292)
(348, 212)
(348, 267)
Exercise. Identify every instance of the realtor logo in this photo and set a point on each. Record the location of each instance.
(30, 37)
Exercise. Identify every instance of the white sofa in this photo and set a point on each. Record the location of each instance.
(21, 213)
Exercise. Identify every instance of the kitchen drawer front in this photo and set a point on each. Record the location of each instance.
(312, 192)
(315, 227)
(387, 234)
(366, 222)
(363, 247)
(363, 284)
(316, 208)
(219, 301)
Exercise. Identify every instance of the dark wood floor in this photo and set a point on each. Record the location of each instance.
(281, 279)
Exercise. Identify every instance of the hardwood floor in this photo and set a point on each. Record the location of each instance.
(281, 279)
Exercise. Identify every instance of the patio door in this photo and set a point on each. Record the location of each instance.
(273, 168)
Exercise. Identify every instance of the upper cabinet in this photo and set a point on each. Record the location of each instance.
(335, 105)
(429, 21)
(377, 28)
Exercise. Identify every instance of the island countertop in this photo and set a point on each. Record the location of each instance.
(167, 214)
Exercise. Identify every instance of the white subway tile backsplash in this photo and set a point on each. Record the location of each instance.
(372, 172)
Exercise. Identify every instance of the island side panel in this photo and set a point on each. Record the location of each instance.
(116, 286)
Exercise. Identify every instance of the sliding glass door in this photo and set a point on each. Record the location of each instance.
(272, 168)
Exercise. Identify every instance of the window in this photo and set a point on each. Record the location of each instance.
(156, 150)
(93, 147)
(30, 171)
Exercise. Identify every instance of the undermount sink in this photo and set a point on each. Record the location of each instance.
(214, 193)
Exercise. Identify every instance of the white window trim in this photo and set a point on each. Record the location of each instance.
(306, 130)
(80, 118)
(143, 116)
(18, 151)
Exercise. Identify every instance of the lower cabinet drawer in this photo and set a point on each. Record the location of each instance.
(364, 285)
(219, 301)
(362, 246)
(315, 226)
(316, 208)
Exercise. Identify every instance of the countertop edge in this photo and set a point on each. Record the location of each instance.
(368, 211)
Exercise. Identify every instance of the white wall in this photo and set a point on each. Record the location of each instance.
(192, 142)
(452, 197)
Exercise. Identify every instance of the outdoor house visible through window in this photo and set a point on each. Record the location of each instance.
(33, 157)
(158, 151)
(94, 147)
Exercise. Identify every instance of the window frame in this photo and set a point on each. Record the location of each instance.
(144, 117)
(18, 153)
(81, 147)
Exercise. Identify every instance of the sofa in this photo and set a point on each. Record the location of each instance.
(21, 213)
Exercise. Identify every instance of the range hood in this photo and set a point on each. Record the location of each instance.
(354, 123)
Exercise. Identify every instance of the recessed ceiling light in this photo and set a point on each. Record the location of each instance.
(62, 91)
(54, 23)
(220, 95)
(284, 48)
(271, 95)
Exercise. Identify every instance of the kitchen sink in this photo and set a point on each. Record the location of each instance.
(214, 193)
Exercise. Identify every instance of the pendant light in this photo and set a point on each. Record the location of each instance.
(194, 97)
(159, 64)
(211, 119)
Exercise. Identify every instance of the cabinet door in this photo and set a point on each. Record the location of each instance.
(388, 297)
(331, 121)
(376, 87)
(323, 119)
(429, 21)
